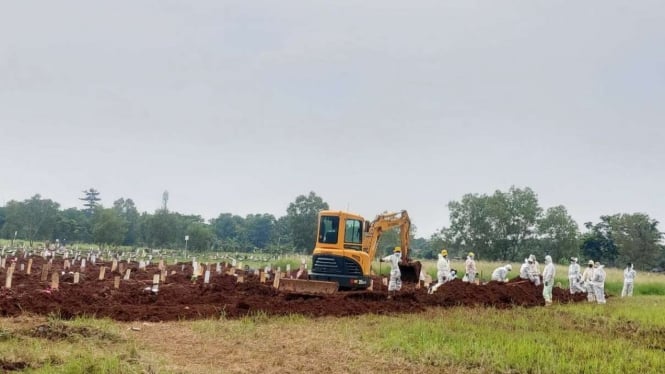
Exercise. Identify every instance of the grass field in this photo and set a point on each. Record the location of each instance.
(625, 335)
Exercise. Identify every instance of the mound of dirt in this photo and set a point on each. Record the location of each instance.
(180, 297)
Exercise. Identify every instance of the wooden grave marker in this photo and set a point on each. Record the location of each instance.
(44, 274)
(29, 269)
(102, 272)
(116, 282)
(127, 273)
(55, 280)
(8, 280)
(77, 277)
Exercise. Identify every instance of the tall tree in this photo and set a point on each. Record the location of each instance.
(259, 229)
(108, 227)
(302, 217)
(126, 209)
(498, 226)
(598, 242)
(161, 228)
(637, 238)
(558, 234)
(201, 237)
(91, 198)
(73, 225)
(33, 219)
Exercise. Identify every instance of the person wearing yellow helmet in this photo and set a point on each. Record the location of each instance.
(442, 271)
(470, 268)
(395, 283)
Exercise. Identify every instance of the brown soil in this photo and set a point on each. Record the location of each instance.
(181, 298)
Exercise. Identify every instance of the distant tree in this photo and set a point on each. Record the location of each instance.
(160, 229)
(73, 225)
(201, 237)
(598, 242)
(259, 229)
(302, 217)
(126, 209)
(108, 227)
(558, 234)
(33, 219)
(91, 198)
(637, 238)
(497, 227)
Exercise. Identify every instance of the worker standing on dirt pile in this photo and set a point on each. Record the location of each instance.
(586, 282)
(574, 276)
(628, 279)
(524, 269)
(548, 280)
(598, 282)
(470, 268)
(395, 283)
(442, 271)
(500, 274)
(533, 274)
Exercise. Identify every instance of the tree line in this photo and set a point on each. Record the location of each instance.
(511, 225)
(39, 219)
(506, 225)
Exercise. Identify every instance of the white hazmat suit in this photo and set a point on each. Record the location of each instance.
(395, 283)
(548, 280)
(628, 279)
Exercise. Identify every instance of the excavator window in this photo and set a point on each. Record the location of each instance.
(328, 229)
(353, 231)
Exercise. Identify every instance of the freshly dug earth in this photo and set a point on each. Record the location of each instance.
(181, 298)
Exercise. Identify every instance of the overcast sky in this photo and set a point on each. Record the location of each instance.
(241, 106)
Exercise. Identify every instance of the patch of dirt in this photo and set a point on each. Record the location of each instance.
(6, 366)
(180, 297)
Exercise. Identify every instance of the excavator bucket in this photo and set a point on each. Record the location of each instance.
(307, 286)
(410, 271)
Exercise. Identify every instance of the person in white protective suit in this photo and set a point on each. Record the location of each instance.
(500, 274)
(587, 276)
(533, 270)
(548, 280)
(524, 269)
(395, 283)
(598, 282)
(574, 276)
(470, 268)
(628, 279)
(442, 271)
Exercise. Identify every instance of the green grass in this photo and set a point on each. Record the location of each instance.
(83, 345)
(622, 336)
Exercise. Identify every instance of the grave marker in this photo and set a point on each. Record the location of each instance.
(206, 278)
(29, 266)
(127, 273)
(44, 274)
(55, 280)
(114, 265)
(155, 283)
(163, 275)
(77, 277)
(8, 280)
(275, 282)
(102, 272)
(116, 282)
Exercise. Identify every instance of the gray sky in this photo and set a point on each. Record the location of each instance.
(240, 106)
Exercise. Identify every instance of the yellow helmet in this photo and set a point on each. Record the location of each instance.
(397, 249)
(471, 254)
(444, 252)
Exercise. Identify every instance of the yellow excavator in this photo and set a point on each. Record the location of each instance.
(345, 248)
